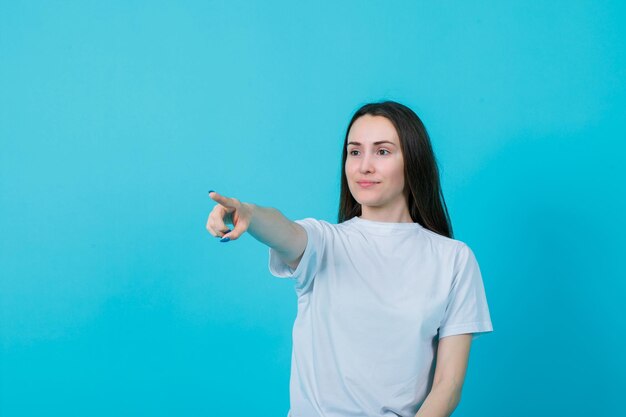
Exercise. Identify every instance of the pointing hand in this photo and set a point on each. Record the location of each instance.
(228, 210)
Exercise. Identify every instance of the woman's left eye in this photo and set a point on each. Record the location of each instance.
(385, 150)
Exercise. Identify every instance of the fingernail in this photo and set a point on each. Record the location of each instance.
(211, 191)
(226, 239)
(228, 230)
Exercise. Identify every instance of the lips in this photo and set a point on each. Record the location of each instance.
(366, 184)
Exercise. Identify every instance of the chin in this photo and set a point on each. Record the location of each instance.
(368, 203)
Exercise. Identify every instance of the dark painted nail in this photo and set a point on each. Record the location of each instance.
(226, 239)
(224, 233)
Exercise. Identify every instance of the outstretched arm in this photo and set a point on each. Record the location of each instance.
(271, 227)
(265, 224)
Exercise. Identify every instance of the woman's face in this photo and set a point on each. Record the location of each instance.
(374, 165)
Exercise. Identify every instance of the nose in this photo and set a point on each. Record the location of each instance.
(366, 164)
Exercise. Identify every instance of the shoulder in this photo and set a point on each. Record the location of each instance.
(322, 229)
(321, 223)
(316, 223)
(446, 244)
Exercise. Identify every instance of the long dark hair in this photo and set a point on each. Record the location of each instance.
(421, 176)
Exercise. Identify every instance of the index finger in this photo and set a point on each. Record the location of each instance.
(223, 200)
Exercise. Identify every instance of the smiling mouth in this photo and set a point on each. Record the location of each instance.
(366, 183)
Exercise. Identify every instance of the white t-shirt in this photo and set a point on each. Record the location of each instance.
(373, 299)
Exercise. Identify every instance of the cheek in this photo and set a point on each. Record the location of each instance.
(348, 168)
(398, 173)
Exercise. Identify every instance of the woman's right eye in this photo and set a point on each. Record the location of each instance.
(352, 151)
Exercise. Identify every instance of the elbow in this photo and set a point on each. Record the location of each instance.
(452, 393)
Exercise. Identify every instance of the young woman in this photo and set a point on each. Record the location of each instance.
(388, 300)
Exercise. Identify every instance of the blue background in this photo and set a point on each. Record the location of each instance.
(116, 118)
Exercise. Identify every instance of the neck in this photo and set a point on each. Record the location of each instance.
(400, 215)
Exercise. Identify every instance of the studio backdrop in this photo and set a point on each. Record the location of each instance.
(118, 117)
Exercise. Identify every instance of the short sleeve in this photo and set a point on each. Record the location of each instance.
(304, 274)
(467, 310)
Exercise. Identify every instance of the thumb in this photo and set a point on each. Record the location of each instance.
(237, 231)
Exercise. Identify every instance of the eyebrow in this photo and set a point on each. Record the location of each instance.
(375, 143)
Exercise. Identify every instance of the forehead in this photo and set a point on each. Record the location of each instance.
(369, 129)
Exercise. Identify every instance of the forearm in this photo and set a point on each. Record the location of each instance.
(271, 227)
(440, 402)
